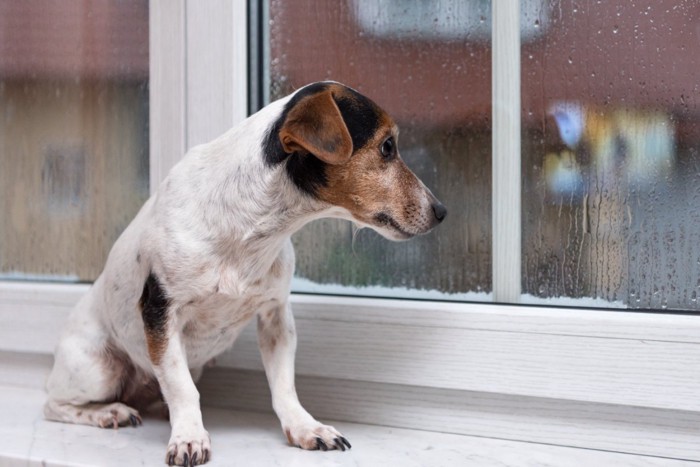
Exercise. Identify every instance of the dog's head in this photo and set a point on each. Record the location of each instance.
(341, 148)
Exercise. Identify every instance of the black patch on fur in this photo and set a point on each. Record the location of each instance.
(272, 146)
(308, 173)
(361, 116)
(154, 306)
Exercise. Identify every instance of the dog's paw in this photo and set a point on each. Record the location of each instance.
(113, 415)
(315, 436)
(189, 448)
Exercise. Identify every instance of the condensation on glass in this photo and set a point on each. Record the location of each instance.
(611, 169)
(73, 133)
(429, 65)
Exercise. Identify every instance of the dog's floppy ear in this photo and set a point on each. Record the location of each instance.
(315, 125)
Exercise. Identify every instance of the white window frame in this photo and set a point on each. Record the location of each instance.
(620, 381)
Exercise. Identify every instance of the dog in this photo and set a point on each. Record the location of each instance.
(211, 250)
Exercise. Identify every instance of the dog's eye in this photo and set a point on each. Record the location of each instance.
(388, 148)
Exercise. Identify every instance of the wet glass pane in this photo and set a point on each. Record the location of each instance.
(611, 169)
(429, 65)
(73, 133)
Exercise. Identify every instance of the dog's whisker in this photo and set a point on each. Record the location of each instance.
(355, 231)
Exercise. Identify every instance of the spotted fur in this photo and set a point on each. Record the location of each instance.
(211, 250)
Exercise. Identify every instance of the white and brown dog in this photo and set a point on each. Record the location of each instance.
(211, 250)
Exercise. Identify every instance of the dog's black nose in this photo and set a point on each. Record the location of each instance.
(440, 211)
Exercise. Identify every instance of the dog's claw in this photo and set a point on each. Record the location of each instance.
(186, 462)
(339, 444)
(205, 456)
(194, 459)
(345, 442)
(135, 421)
(171, 459)
(320, 444)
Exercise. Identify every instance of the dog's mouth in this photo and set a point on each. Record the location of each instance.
(385, 220)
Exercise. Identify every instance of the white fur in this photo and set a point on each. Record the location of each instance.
(216, 234)
(217, 226)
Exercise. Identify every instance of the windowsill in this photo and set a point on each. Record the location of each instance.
(617, 382)
(247, 438)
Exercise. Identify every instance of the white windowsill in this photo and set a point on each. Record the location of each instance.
(621, 382)
(246, 438)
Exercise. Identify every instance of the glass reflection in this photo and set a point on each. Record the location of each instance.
(73, 133)
(429, 66)
(611, 132)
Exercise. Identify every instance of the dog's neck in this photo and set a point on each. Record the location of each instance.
(247, 210)
(262, 227)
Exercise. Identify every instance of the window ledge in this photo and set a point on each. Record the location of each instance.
(255, 439)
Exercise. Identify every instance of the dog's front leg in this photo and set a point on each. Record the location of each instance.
(277, 339)
(189, 442)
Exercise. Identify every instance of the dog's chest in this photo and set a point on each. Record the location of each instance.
(213, 323)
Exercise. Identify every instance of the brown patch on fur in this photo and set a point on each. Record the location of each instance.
(316, 126)
(270, 329)
(156, 344)
(368, 185)
(288, 434)
(378, 190)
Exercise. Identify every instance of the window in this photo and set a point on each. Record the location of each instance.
(589, 378)
(436, 83)
(611, 167)
(73, 133)
(609, 145)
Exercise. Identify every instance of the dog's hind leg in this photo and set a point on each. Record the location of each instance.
(83, 389)
(86, 379)
(111, 415)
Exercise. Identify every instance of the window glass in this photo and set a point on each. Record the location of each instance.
(611, 170)
(73, 133)
(429, 66)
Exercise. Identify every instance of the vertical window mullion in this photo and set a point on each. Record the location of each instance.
(217, 55)
(506, 216)
(194, 96)
(167, 126)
